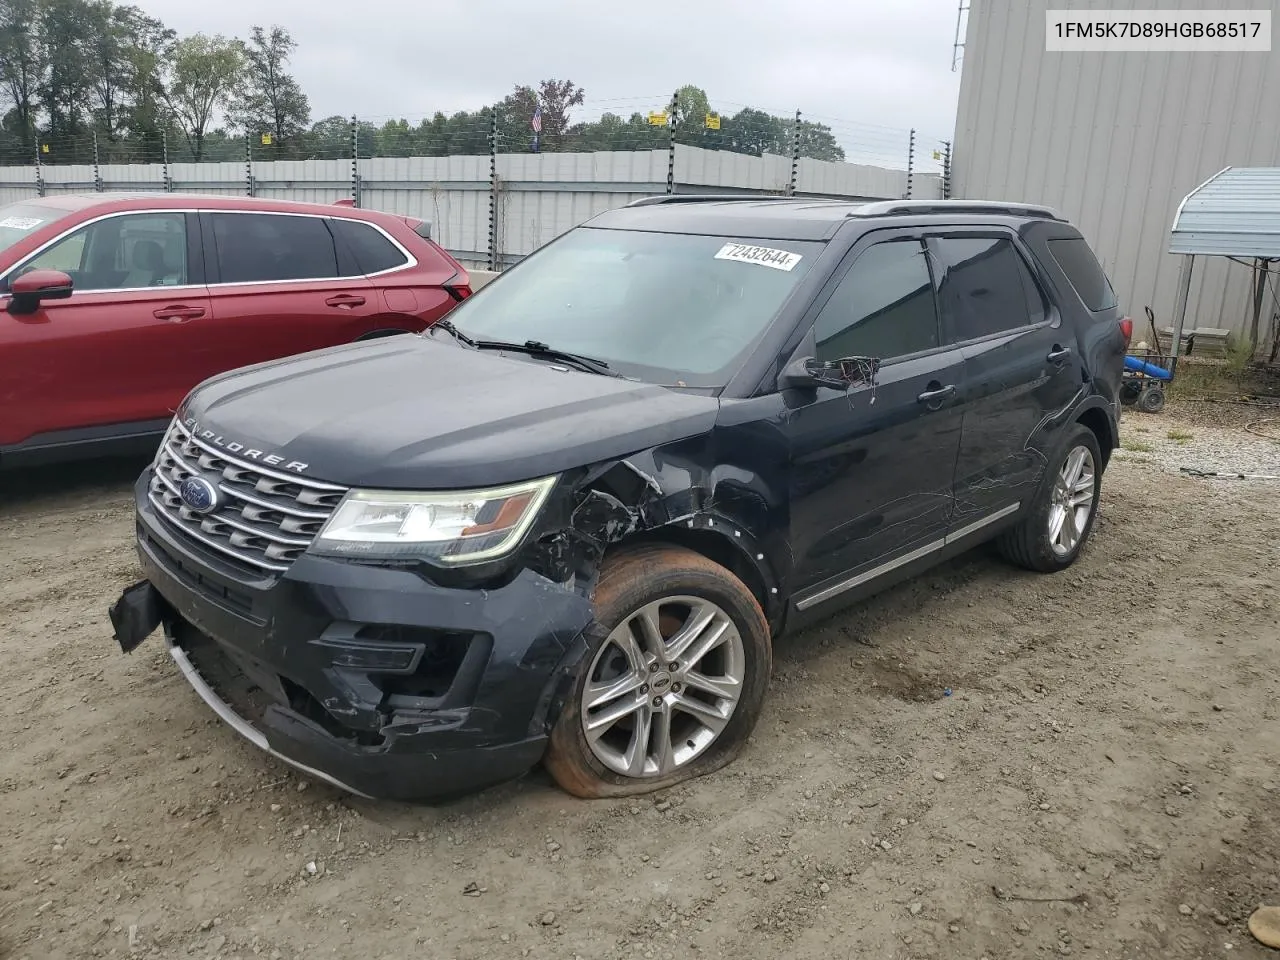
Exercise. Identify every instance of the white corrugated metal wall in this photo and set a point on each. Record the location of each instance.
(541, 195)
(1115, 141)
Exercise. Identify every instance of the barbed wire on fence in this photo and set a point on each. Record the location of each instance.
(625, 124)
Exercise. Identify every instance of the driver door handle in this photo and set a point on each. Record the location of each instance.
(179, 313)
(1058, 354)
(937, 394)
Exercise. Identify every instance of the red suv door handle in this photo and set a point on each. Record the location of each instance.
(179, 312)
(345, 300)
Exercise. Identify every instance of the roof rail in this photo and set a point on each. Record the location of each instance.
(927, 207)
(711, 198)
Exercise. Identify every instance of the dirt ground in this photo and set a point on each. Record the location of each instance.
(980, 763)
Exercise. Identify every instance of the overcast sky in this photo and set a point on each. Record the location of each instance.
(868, 67)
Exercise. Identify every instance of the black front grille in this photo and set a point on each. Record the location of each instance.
(264, 519)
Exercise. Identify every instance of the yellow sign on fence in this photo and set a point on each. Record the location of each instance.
(658, 118)
(713, 121)
(266, 139)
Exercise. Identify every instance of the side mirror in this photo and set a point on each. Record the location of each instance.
(28, 290)
(808, 373)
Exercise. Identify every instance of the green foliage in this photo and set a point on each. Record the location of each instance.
(76, 71)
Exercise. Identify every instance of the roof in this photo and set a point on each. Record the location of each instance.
(1236, 212)
(793, 218)
(158, 200)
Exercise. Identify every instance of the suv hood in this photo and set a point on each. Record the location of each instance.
(408, 412)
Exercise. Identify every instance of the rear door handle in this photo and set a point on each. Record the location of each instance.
(179, 312)
(345, 300)
(1058, 354)
(937, 394)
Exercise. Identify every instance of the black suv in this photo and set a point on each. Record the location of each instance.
(567, 523)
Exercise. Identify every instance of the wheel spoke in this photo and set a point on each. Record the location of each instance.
(726, 688)
(708, 715)
(1084, 483)
(700, 616)
(1070, 530)
(646, 622)
(598, 724)
(1075, 463)
(1082, 497)
(664, 753)
(638, 749)
(710, 639)
(1057, 516)
(598, 694)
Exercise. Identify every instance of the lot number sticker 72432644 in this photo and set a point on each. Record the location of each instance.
(763, 256)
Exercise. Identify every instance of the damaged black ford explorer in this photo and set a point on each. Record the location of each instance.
(567, 523)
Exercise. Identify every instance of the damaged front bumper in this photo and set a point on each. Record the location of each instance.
(372, 679)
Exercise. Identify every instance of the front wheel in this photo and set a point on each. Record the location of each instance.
(673, 688)
(1060, 520)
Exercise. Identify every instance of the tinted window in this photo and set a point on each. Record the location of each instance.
(662, 307)
(1086, 275)
(372, 250)
(986, 287)
(882, 308)
(256, 247)
(139, 250)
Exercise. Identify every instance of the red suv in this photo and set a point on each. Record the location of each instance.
(120, 304)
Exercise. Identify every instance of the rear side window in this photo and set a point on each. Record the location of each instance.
(258, 248)
(371, 248)
(1083, 270)
(986, 287)
(882, 308)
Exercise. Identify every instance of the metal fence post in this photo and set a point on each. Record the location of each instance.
(355, 161)
(946, 169)
(97, 173)
(795, 157)
(493, 189)
(250, 186)
(911, 161)
(164, 154)
(671, 144)
(39, 166)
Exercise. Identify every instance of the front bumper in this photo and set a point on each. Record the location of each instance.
(372, 679)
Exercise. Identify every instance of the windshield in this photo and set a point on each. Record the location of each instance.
(662, 307)
(20, 220)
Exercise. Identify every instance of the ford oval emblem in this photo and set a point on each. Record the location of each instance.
(198, 495)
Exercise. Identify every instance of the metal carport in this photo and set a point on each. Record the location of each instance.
(1235, 214)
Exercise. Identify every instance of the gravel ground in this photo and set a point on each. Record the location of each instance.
(1101, 780)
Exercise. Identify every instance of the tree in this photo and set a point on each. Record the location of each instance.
(270, 99)
(201, 74)
(122, 42)
(23, 63)
(65, 28)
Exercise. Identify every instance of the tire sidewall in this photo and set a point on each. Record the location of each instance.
(568, 739)
(1078, 435)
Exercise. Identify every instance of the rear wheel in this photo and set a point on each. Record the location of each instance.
(1151, 400)
(1056, 528)
(675, 686)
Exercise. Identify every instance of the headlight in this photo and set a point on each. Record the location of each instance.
(453, 527)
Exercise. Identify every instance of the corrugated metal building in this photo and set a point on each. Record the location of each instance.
(1115, 141)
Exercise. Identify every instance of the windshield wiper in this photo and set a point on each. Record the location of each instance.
(536, 348)
(447, 326)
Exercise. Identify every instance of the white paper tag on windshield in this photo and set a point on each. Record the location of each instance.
(20, 223)
(763, 256)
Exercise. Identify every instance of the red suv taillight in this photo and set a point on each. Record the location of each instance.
(459, 291)
(1126, 327)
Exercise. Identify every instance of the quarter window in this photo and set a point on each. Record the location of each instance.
(372, 250)
(120, 253)
(986, 287)
(1083, 271)
(882, 308)
(257, 248)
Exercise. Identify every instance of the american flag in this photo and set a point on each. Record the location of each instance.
(537, 126)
